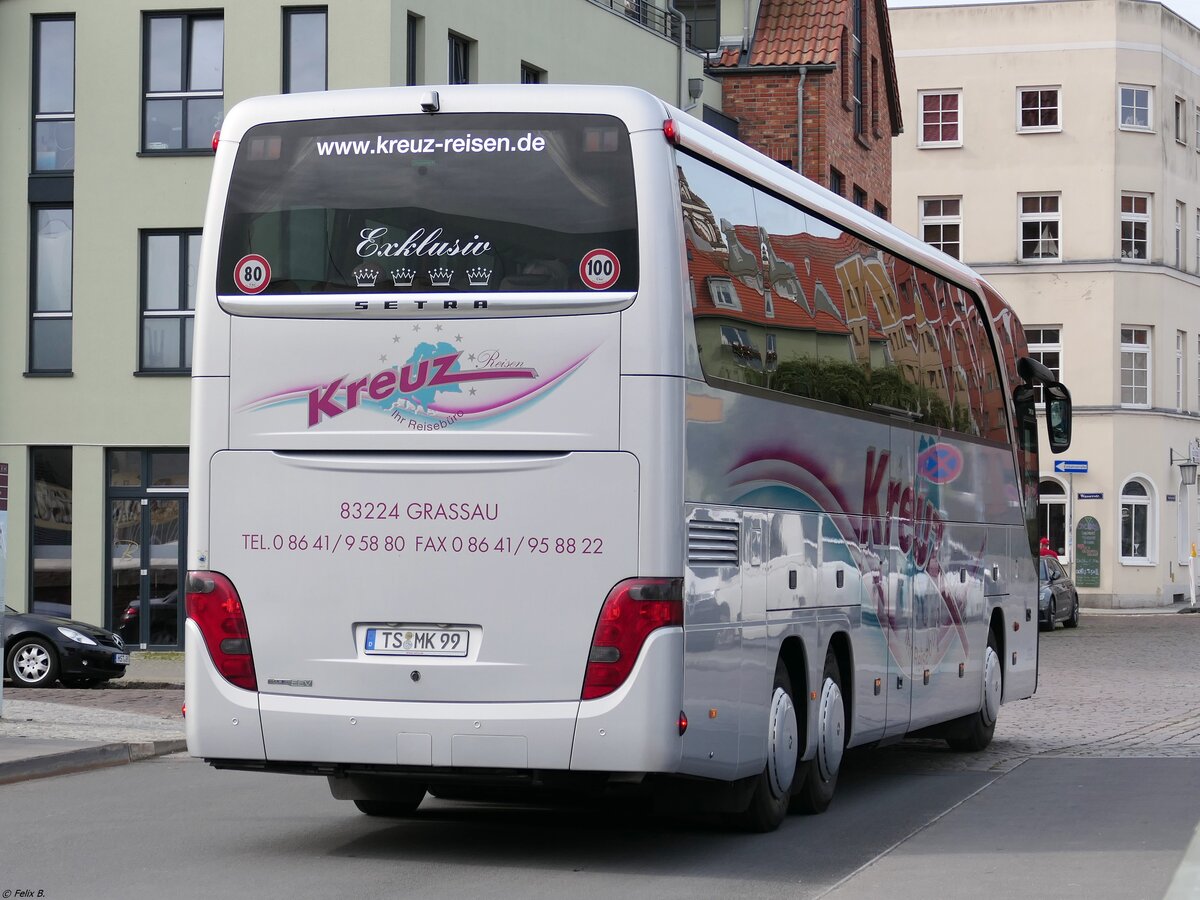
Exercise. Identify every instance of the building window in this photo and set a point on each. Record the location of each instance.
(1180, 367)
(532, 74)
(1037, 109)
(168, 291)
(1196, 119)
(1198, 369)
(1180, 244)
(1136, 107)
(53, 94)
(1135, 367)
(941, 224)
(1045, 345)
(1135, 226)
(305, 49)
(722, 293)
(703, 23)
(941, 119)
(183, 78)
(1041, 221)
(837, 184)
(1180, 121)
(460, 60)
(50, 516)
(857, 73)
(1135, 522)
(412, 49)
(1196, 239)
(880, 210)
(772, 360)
(860, 197)
(1052, 516)
(50, 289)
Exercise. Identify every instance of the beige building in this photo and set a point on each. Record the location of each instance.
(109, 111)
(1055, 146)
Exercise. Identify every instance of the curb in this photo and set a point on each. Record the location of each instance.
(101, 756)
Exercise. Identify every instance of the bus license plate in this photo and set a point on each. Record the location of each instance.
(416, 641)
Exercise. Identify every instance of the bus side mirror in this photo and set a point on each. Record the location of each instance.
(1058, 416)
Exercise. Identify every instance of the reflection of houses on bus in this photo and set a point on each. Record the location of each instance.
(818, 312)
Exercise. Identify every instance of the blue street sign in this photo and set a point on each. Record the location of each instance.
(1074, 466)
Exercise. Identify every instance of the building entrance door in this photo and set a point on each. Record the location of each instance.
(148, 537)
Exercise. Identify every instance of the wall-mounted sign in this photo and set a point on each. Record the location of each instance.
(1170, 498)
(1087, 553)
(1074, 466)
(1095, 495)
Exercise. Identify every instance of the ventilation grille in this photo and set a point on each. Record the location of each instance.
(713, 543)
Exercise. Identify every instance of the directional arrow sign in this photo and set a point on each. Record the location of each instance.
(1074, 466)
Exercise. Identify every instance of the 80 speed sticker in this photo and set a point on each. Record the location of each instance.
(253, 274)
(599, 269)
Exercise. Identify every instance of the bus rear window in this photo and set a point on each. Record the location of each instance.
(449, 203)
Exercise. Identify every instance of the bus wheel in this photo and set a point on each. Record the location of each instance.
(400, 803)
(816, 793)
(974, 732)
(769, 803)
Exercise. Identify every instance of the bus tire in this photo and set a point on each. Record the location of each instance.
(401, 803)
(815, 793)
(773, 788)
(972, 733)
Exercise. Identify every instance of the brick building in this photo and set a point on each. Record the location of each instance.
(837, 55)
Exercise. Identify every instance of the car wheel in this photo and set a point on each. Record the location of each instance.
(1072, 620)
(974, 732)
(773, 788)
(1048, 625)
(33, 662)
(402, 801)
(821, 772)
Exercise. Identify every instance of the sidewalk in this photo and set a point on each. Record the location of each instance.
(54, 731)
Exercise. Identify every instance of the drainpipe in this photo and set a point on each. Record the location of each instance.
(680, 88)
(800, 121)
(746, 27)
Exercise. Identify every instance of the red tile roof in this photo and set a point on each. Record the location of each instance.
(798, 32)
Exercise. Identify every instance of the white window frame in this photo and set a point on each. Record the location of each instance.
(722, 292)
(1135, 218)
(1048, 501)
(940, 220)
(1133, 502)
(1180, 120)
(1196, 143)
(1036, 129)
(1180, 242)
(1135, 89)
(946, 92)
(1024, 218)
(1180, 370)
(1130, 345)
(1036, 338)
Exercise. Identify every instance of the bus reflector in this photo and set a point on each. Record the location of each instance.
(216, 139)
(213, 604)
(682, 722)
(631, 611)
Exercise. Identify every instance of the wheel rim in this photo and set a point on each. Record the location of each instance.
(831, 722)
(32, 663)
(782, 744)
(993, 686)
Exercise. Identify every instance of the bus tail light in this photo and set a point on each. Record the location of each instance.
(671, 132)
(213, 604)
(632, 610)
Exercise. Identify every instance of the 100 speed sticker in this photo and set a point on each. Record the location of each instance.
(599, 269)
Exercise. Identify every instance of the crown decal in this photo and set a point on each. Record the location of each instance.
(403, 277)
(479, 276)
(440, 277)
(364, 276)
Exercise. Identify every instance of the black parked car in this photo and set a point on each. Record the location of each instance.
(164, 620)
(40, 650)
(1058, 601)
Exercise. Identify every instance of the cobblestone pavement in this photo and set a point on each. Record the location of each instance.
(1116, 686)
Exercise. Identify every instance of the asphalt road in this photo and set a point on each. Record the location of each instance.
(1089, 790)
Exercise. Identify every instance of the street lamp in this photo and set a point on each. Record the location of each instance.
(1187, 467)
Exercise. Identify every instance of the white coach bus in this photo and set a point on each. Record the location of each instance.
(546, 436)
